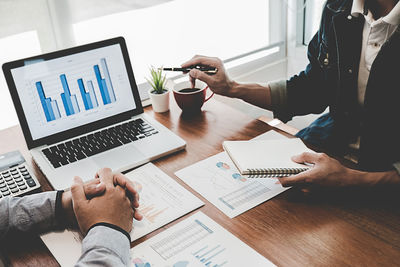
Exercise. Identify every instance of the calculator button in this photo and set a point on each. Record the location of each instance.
(10, 182)
(21, 167)
(15, 190)
(23, 187)
(11, 186)
(2, 185)
(16, 175)
(13, 169)
(5, 189)
(31, 182)
(6, 175)
(18, 179)
(21, 183)
(24, 172)
(6, 193)
(27, 177)
(8, 179)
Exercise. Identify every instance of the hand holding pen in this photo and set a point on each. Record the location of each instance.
(218, 82)
(206, 69)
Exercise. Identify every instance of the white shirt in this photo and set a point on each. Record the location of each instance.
(375, 34)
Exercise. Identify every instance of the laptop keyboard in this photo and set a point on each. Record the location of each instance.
(98, 142)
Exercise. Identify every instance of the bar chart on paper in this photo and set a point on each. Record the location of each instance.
(196, 241)
(87, 89)
(217, 179)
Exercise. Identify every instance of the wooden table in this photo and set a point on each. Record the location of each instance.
(333, 228)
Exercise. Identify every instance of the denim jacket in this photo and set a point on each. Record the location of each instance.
(330, 80)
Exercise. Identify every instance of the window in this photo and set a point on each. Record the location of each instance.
(171, 32)
(245, 34)
(12, 47)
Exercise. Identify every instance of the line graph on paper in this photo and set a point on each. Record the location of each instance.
(162, 199)
(151, 213)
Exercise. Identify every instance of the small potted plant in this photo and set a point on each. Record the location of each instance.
(159, 94)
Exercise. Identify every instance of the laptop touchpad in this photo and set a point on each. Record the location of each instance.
(119, 158)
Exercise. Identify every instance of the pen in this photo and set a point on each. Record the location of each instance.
(206, 69)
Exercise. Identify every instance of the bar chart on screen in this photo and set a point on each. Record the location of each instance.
(66, 92)
(87, 89)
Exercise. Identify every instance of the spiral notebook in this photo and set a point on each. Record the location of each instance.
(266, 158)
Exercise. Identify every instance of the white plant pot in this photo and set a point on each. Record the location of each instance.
(160, 102)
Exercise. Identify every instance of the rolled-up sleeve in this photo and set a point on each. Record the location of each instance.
(396, 166)
(279, 99)
(33, 213)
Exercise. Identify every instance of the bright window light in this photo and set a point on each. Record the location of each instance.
(11, 48)
(170, 33)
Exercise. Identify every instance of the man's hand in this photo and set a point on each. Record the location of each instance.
(92, 188)
(219, 83)
(95, 188)
(132, 193)
(112, 207)
(328, 172)
(325, 172)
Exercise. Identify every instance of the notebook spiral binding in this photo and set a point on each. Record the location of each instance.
(273, 172)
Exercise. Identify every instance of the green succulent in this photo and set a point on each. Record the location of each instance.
(157, 80)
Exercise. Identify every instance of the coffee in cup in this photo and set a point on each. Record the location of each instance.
(189, 99)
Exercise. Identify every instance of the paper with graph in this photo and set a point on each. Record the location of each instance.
(196, 241)
(162, 199)
(217, 179)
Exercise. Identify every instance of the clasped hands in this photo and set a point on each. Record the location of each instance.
(109, 198)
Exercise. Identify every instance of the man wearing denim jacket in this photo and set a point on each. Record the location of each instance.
(353, 67)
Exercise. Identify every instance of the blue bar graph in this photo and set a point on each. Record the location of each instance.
(50, 107)
(92, 94)
(70, 102)
(105, 84)
(86, 96)
(56, 110)
(107, 79)
(87, 91)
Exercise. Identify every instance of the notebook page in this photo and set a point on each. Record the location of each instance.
(265, 154)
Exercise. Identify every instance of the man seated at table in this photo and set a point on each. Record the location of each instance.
(353, 70)
(103, 209)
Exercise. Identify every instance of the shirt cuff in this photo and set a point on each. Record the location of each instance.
(101, 236)
(396, 165)
(59, 213)
(279, 99)
(113, 226)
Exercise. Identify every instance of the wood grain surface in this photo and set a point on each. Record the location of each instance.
(352, 227)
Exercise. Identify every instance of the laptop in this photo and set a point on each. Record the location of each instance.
(80, 111)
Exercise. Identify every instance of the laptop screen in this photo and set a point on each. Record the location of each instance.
(73, 90)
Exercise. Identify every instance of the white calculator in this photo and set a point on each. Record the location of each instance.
(15, 177)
